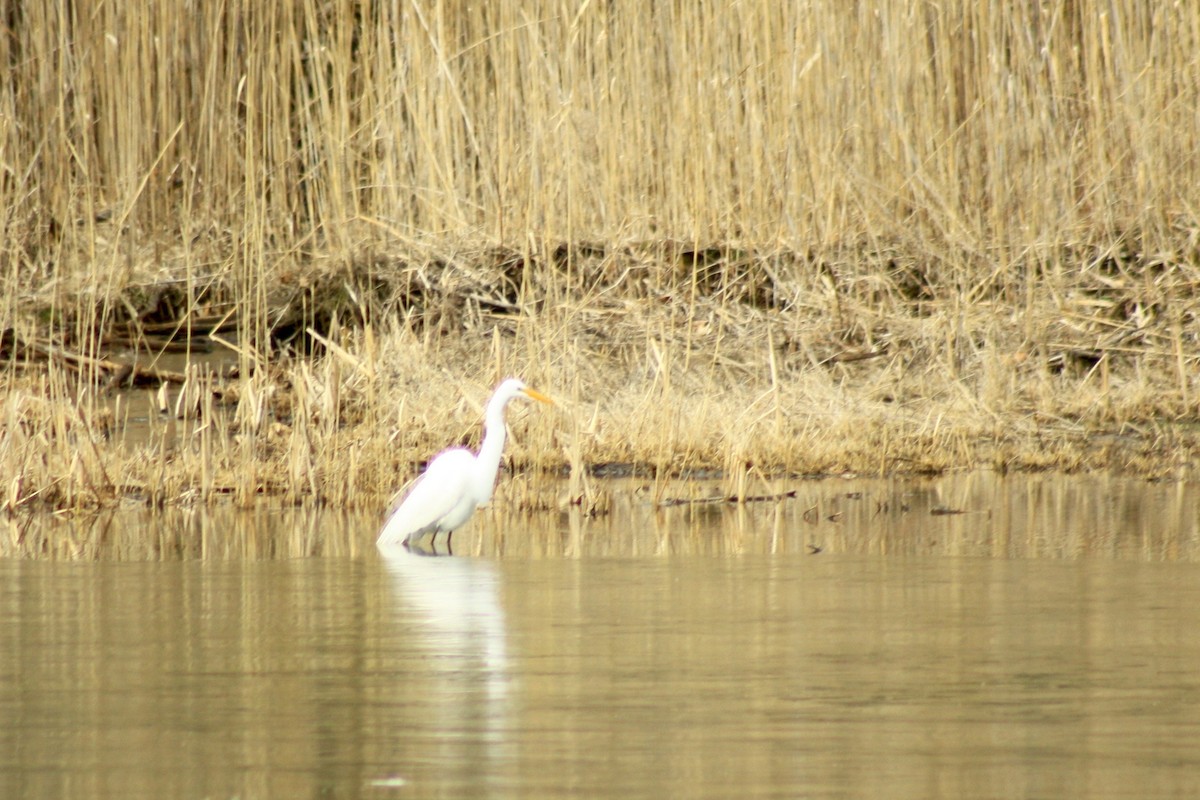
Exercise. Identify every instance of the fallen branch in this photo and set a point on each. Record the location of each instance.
(695, 501)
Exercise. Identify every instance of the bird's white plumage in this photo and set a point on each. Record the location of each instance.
(437, 498)
(456, 480)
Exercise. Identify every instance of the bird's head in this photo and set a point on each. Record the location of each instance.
(515, 387)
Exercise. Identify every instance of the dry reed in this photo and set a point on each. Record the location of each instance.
(753, 238)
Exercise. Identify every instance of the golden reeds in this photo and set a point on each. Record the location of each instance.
(978, 135)
(756, 238)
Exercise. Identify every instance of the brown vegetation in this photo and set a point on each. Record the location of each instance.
(752, 239)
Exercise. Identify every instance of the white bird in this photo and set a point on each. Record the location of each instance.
(456, 480)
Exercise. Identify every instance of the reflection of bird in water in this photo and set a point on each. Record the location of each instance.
(456, 480)
(455, 599)
(453, 656)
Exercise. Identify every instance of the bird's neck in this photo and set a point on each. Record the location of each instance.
(490, 451)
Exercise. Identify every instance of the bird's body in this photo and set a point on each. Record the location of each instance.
(456, 480)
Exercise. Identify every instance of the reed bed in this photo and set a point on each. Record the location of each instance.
(747, 240)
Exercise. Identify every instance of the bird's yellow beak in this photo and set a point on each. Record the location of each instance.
(534, 394)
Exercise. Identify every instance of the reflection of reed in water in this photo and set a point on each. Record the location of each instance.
(978, 514)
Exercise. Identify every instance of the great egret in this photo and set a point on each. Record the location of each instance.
(456, 480)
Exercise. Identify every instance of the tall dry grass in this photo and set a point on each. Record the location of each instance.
(747, 236)
(237, 141)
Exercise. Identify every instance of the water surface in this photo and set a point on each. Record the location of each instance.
(765, 651)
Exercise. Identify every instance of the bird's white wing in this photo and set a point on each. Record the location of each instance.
(442, 487)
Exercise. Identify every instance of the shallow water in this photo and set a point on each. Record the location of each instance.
(694, 651)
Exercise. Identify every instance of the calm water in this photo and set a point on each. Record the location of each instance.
(696, 652)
